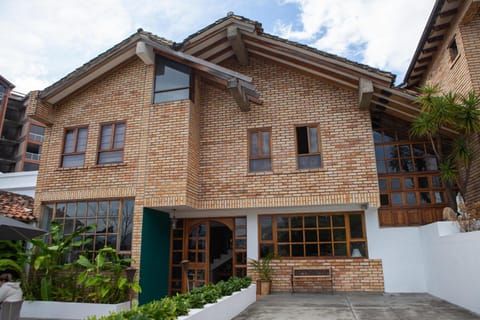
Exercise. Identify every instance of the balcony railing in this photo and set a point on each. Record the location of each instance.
(35, 137)
(32, 156)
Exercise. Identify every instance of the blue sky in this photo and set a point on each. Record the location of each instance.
(42, 41)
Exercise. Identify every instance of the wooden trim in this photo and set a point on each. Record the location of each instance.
(260, 155)
(238, 45)
(75, 146)
(365, 92)
(319, 139)
(112, 140)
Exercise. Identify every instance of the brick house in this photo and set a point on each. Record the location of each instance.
(233, 144)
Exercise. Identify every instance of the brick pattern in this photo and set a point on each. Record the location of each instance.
(38, 110)
(348, 275)
(462, 76)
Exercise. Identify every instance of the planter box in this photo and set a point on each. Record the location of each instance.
(54, 310)
(225, 308)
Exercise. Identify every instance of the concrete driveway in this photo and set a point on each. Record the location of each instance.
(354, 306)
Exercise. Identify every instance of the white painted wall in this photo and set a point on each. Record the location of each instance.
(452, 262)
(19, 182)
(401, 253)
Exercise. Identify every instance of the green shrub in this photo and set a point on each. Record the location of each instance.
(170, 308)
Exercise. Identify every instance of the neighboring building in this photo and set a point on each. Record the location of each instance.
(448, 55)
(20, 138)
(234, 144)
(19, 182)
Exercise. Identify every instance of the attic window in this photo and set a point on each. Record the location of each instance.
(172, 81)
(453, 50)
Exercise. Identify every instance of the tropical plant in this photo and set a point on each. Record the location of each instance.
(263, 267)
(459, 113)
(48, 258)
(104, 279)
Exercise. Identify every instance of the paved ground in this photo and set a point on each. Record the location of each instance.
(354, 306)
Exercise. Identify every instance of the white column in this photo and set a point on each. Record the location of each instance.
(252, 236)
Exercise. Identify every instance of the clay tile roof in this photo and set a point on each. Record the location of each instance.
(16, 206)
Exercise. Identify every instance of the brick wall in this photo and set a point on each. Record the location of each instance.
(348, 275)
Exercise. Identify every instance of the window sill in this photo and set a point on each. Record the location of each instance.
(311, 170)
(70, 168)
(108, 165)
(259, 173)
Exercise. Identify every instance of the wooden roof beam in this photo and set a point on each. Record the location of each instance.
(238, 45)
(365, 92)
(145, 53)
(238, 93)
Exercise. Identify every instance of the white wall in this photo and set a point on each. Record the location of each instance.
(401, 253)
(19, 182)
(452, 264)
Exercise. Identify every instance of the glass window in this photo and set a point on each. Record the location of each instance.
(311, 235)
(259, 150)
(112, 139)
(172, 81)
(74, 146)
(308, 147)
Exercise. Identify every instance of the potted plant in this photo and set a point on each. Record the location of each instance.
(264, 272)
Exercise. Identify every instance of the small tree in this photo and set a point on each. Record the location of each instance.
(459, 113)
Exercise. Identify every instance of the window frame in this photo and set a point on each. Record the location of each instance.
(158, 60)
(47, 218)
(453, 50)
(75, 152)
(259, 132)
(348, 239)
(309, 154)
(112, 142)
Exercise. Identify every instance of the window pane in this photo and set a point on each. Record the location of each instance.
(338, 220)
(302, 140)
(297, 250)
(119, 135)
(407, 165)
(176, 95)
(432, 164)
(73, 161)
(395, 184)
(439, 197)
(171, 75)
(405, 151)
(311, 235)
(266, 223)
(296, 222)
(377, 136)
(283, 236)
(82, 140)
(326, 249)
(381, 168)
(254, 144)
(396, 198)
(282, 222)
(259, 165)
(393, 166)
(265, 143)
(310, 221)
(418, 150)
(411, 198)
(423, 182)
(311, 250)
(284, 250)
(340, 249)
(391, 152)
(409, 183)
(420, 164)
(309, 162)
(356, 229)
(105, 143)
(339, 235)
(313, 139)
(379, 155)
(325, 235)
(384, 199)
(324, 221)
(110, 157)
(265, 249)
(297, 236)
(425, 197)
(360, 246)
(436, 182)
(69, 146)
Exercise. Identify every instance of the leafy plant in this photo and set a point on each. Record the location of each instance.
(460, 113)
(49, 258)
(104, 279)
(263, 267)
(169, 308)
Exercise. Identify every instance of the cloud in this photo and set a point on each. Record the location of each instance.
(379, 33)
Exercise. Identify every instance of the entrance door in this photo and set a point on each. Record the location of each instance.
(209, 251)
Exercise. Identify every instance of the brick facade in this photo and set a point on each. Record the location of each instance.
(348, 275)
(461, 75)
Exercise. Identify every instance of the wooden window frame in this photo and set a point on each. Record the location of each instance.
(259, 132)
(314, 125)
(45, 221)
(453, 51)
(348, 240)
(112, 141)
(75, 152)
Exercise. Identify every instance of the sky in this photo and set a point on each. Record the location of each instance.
(44, 40)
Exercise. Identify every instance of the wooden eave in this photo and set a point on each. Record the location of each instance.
(444, 13)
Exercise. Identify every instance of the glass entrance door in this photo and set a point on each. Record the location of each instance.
(197, 255)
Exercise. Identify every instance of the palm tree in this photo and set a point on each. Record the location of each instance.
(459, 113)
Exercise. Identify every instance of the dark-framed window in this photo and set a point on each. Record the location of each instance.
(74, 146)
(313, 235)
(113, 220)
(173, 81)
(453, 50)
(259, 150)
(308, 147)
(112, 140)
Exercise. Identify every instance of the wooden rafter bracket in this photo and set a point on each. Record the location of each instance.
(238, 45)
(365, 93)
